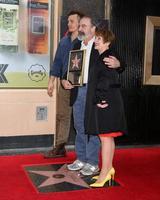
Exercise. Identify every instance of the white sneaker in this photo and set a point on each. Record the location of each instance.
(76, 165)
(89, 169)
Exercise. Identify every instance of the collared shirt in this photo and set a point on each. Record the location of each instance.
(60, 63)
(88, 48)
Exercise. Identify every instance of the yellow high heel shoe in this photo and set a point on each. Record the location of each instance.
(111, 172)
(101, 184)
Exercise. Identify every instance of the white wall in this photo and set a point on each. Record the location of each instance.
(18, 112)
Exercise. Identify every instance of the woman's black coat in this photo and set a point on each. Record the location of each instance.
(92, 117)
(103, 85)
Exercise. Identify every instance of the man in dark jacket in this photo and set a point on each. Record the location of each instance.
(87, 150)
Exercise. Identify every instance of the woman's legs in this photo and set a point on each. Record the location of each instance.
(107, 151)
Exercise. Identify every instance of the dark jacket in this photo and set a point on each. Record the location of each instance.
(103, 85)
(93, 57)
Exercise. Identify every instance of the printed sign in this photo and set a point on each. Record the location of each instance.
(9, 22)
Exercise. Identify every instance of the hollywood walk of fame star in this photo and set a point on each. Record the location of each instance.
(60, 176)
(75, 62)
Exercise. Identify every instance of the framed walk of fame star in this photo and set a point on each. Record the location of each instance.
(76, 67)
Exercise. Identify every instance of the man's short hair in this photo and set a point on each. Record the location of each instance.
(75, 12)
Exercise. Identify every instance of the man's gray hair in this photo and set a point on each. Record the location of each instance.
(94, 20)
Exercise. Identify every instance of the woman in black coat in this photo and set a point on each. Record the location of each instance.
(104, 108)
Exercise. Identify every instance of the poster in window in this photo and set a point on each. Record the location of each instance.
(9, 23)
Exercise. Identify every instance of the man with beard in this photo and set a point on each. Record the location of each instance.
(87, 149)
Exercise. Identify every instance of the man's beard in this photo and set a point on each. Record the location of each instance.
(81, 36)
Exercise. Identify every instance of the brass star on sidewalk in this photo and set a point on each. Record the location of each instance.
(60, 176)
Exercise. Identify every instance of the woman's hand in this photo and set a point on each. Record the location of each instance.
(103, 104)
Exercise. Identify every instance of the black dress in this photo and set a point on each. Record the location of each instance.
(103, 85)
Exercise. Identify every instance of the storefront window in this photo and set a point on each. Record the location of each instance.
(25, 43)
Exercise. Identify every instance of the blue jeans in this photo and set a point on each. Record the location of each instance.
(86, 150)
